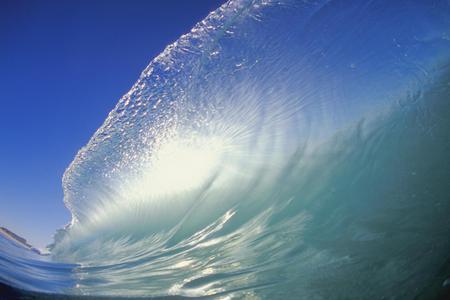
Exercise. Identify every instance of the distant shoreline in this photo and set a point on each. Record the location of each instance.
(18, 239)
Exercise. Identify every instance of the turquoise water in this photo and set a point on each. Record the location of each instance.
(280, 150)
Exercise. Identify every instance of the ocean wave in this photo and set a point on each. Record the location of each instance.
(281, 149)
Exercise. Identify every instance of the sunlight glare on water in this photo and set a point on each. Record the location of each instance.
(183, 165)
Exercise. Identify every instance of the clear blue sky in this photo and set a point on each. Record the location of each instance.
(63, 67)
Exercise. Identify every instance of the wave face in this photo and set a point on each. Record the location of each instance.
(281, 149)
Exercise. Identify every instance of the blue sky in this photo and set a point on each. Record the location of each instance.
(63, 67)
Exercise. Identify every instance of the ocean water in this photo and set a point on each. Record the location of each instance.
(280, 150)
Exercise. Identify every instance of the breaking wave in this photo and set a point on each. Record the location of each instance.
(281, 149)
